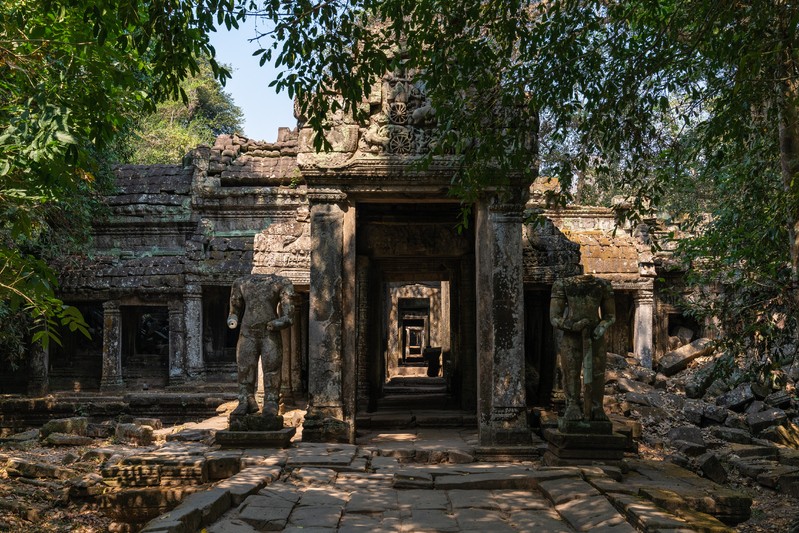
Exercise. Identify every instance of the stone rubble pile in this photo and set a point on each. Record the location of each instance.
(714, 427)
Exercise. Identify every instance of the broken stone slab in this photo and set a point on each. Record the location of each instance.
(754, 450)
(489, 481)
(677, 360)
(688, 434)
(752, 467)
(738, 398)
(192, 435)
(249, 481)
(73, 426)
(689, 491)
(24, 468)
(780, 474)
(740, 436)
(66, 439)
(593, 514)
(770, 417)
(198, 510)
(31, 434)
(645, 515)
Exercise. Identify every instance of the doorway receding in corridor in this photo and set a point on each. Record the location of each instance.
(416, 308)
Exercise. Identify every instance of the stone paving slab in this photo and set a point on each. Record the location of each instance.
(327, 487)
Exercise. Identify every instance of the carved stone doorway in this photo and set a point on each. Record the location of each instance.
(415, 294)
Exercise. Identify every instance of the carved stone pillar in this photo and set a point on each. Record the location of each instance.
(325, 418)
(286, 391)
(502, 412)
(39, 376)
(111, 378)
(644, 320)
(193, 324)
(177, 369)
(295, 371)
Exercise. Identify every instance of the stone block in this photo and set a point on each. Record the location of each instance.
(255, 439)
(591, 514)
(714, 414)
(754, 451)
(154, 423)
(134, 434)
(740, 436)
(412, 480)
(66, 439)
(32, 469)
(223, 464)
(677, 360)
(779, 475)
(255, 422)
(779, 399)
(738, 398)
(100, 431)
(770, 417)
(688, 434)
(72, 426)
(711, 468)
(693, 411)
(689, 448)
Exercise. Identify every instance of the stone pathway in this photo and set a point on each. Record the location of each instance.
(421, 481)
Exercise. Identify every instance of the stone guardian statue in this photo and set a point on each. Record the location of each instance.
(583, 308)
(263, 304)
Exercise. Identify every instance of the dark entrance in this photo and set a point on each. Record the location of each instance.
(416, 298)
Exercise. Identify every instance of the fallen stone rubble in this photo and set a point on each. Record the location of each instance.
(713, 427)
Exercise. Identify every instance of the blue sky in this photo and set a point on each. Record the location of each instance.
(264, 110)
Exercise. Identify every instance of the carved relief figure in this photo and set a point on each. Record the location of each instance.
(263, 304)
(583, 307)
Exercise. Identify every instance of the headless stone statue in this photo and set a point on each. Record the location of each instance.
(257, 297)
(583, 307)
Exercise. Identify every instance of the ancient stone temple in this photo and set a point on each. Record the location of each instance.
(387, 286)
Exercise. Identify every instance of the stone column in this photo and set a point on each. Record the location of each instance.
(177, 370)
(286, 392)
(295, 376)
(325, 418)
(39, 375)
(500, 334)
(111, 378)
(193, 324)
(644, 318)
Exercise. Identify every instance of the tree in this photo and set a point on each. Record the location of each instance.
(175, 127)
(650, 96)
(71, 74)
